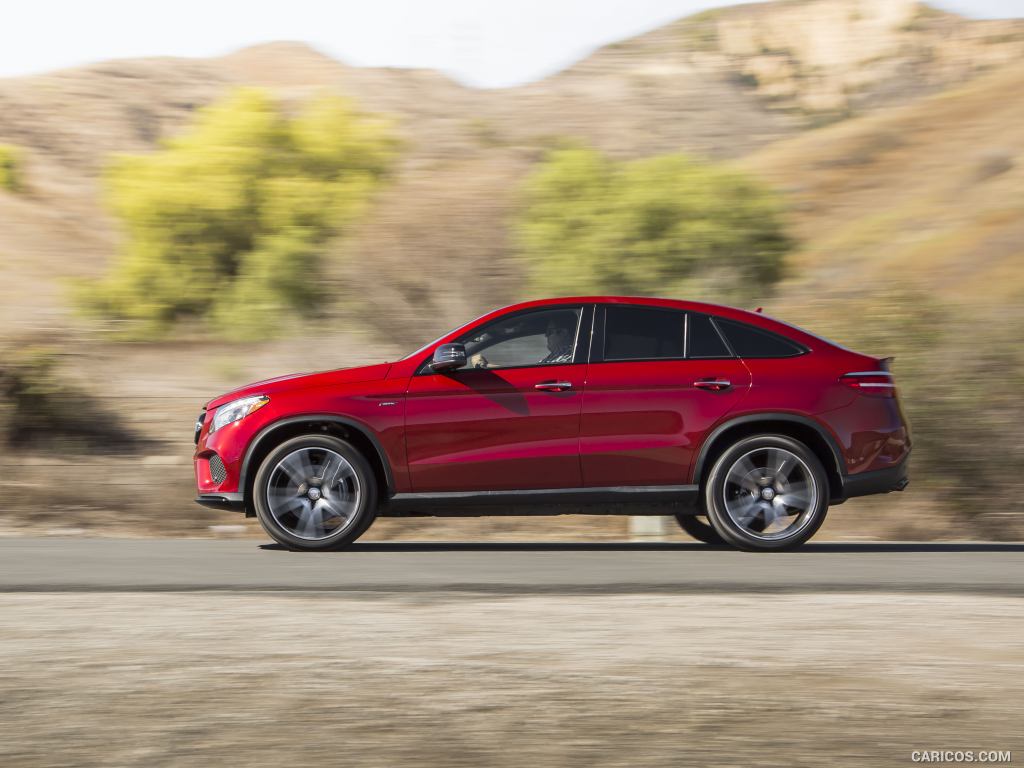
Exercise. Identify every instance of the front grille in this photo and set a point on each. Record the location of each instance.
(218, 471)
(199, 426)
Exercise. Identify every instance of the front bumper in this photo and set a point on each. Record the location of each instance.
(232, 501)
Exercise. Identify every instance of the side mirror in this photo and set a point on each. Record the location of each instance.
(448, 357)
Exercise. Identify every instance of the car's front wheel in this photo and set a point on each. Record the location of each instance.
(767, 492)
(315, 492)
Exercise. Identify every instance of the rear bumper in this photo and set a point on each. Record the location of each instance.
(878, 481)
(233, 501)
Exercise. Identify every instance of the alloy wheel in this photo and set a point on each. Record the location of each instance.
(770, 493)
(313, 493)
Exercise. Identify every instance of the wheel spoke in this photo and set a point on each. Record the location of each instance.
(283, 503)
(306, 461)
(307, 519)
(745, 475)
(745, 511)
(292, 466)
(781, 463)
(796, 495)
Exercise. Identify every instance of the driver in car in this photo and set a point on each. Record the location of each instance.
(559, 339)
(559, 336)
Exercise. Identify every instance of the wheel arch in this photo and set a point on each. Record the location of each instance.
(802, 428)
(272, 435)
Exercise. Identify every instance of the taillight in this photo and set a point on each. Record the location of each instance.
(875, 383)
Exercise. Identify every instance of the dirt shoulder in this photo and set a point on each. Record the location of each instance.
(625, 680)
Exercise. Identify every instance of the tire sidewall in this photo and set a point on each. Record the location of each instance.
(729, 530)
(364, 514)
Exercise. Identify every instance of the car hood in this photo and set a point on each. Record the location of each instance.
(305, 381)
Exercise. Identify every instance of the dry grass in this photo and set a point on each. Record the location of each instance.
(926, 195)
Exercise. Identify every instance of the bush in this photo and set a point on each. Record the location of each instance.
(39, 406)
(11, 168)
(666, 225)
(229, 221)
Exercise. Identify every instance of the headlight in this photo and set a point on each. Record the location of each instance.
(237, 409)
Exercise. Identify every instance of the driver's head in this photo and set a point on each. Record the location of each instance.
(559, 336)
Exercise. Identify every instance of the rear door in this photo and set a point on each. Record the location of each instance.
(658, 381)
(510, 420)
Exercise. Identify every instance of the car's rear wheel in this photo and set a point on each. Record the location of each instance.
(315, 492)
(767, 492)
(699, 528)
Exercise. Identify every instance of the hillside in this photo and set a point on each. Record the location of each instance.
(927, 195)
(728, 80)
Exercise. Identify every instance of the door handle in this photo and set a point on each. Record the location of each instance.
(553, 386)
(715, 385)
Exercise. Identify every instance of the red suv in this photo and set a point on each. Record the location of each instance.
(743, 427)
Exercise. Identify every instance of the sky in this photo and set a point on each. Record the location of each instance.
(484, 43)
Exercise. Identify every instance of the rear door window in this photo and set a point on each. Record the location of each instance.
(643, 333)
(704, 340)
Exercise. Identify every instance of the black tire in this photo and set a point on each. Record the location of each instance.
(361, 477)
(699, 528)
(752, 536)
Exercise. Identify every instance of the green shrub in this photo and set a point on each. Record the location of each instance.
(229, 220)
(11, 174)
(41, 407)
(666, 225)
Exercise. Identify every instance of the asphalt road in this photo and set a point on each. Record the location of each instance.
(98, 565)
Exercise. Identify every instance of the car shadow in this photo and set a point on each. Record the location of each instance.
(825, 547)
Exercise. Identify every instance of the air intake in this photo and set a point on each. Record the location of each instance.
(218, 471)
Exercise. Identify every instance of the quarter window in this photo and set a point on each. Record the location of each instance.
(748, 341)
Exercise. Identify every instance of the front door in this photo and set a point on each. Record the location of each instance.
(510, 420)
(659, 381)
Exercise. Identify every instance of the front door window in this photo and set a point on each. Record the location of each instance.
(543, 337)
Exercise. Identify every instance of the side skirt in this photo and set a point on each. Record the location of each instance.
(620, 500)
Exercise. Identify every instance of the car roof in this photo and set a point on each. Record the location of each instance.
(648, 301)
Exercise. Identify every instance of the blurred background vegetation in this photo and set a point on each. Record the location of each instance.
(665, 225)
(244, 201)
(170, 229)
(10, 168)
